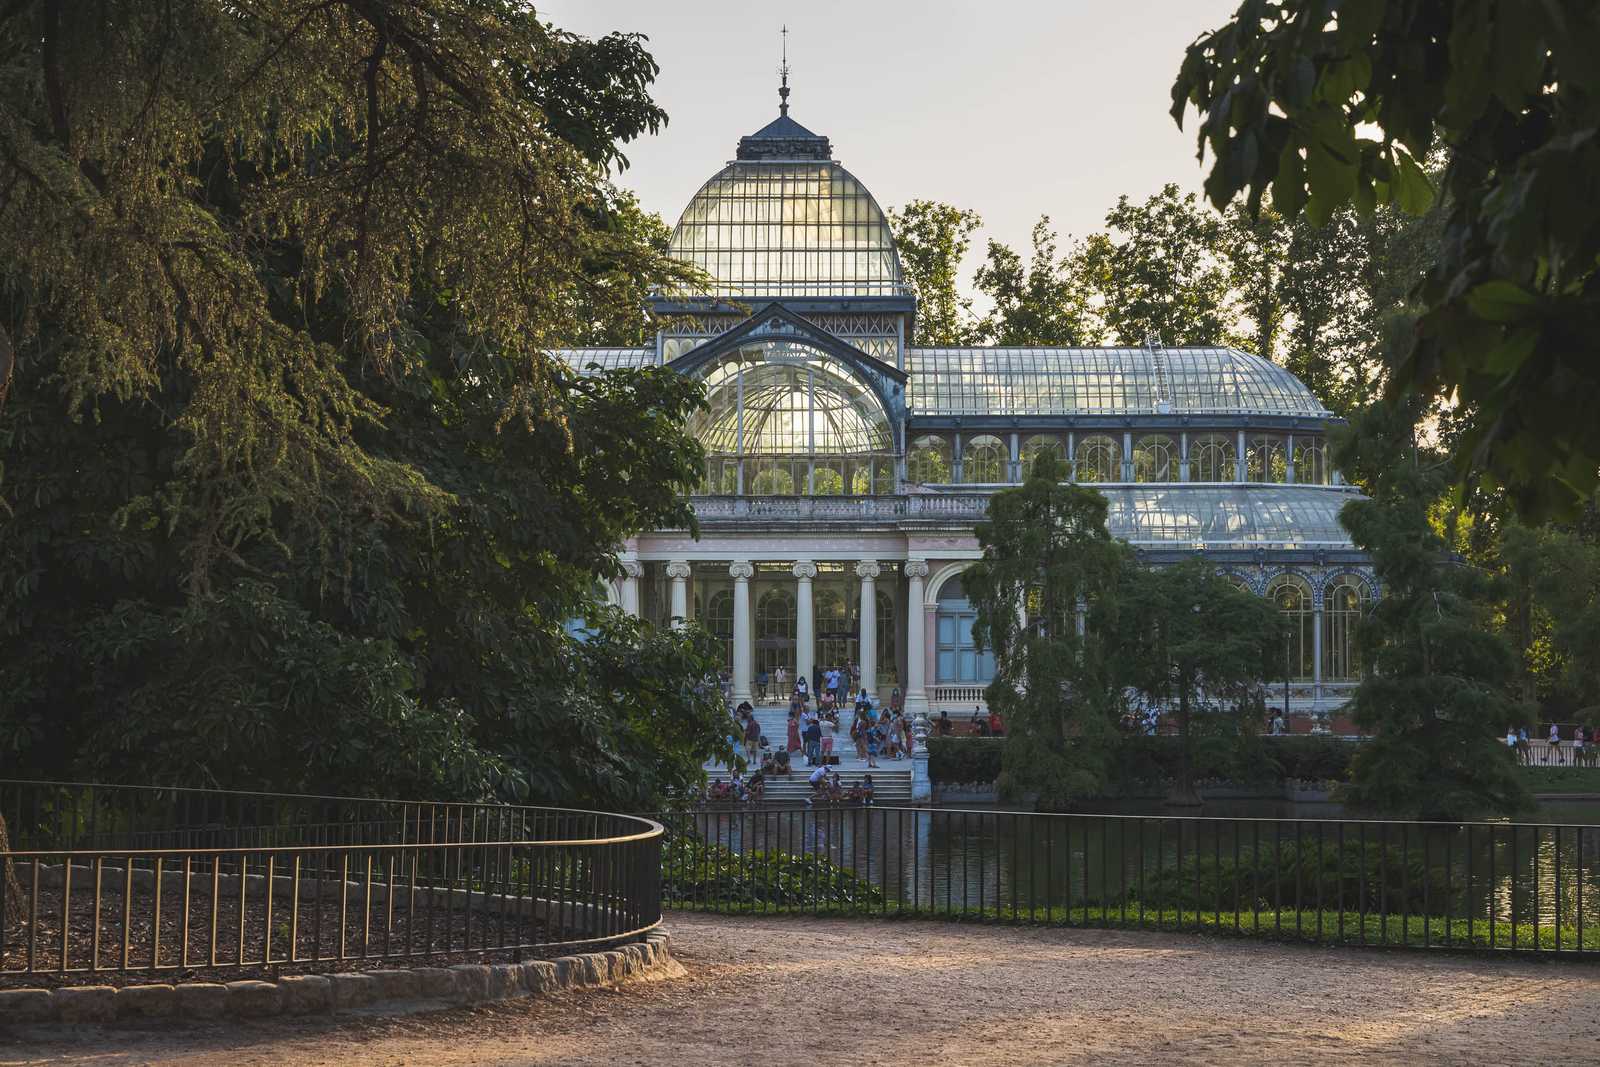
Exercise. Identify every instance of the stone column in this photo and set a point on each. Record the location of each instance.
(632, 571)
(678, 571)
(741, 572)
(868, 570)
(916, 650)
(805, 631)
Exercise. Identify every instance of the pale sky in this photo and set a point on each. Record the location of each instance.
(1013, 109)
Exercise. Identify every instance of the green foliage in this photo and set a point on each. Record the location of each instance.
(1159, 272)
(294, 496)
(708, 875)
(960, 760)
(1553, 612)
(1438, 693)
(1224, 752)
(1352, 876)
(1287, 93)
(1046, 547)
(931, 239)
(1045, 302)
(1187, 634)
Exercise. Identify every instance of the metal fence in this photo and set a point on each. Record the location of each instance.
(1492, 886)
(126, 879)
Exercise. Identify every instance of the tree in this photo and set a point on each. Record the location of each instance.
(294, 496)
(1286, 93)
(1046, 547)
(1189, 638)
(1159, 272)
(1437, 695)
(932, 238)
(1553, 612)
(1042, 302)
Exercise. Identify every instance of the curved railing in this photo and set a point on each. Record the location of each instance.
(133, 879)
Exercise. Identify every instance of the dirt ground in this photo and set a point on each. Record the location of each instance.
(789, 991)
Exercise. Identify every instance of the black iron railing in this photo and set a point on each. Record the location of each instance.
(127, 879)
(1500, 886)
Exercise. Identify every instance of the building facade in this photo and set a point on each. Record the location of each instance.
(847, 466)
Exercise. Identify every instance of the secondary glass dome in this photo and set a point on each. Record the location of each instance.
(782, 417)
(785, 220)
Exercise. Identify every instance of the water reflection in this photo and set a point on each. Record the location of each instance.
(983, 858)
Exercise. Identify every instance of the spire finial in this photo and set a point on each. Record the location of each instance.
(783, 88)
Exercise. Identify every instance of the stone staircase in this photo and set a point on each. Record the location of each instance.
(891, 779)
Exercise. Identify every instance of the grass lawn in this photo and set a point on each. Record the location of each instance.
(1561, 779)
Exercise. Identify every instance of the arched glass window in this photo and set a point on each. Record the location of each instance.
(1155, 458)
(983, 460)
(1266, 459)
(928, 461)
(1343, 604)
(719, 620)
(1039, 445)
(775, 630)
(1291, 594)
(1310, 461)
(1099, 459)
(782, 404)
(835, 641)
(1212, 458)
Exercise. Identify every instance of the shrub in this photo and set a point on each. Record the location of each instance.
(1371, 876)
(964, 759)
(693, 871)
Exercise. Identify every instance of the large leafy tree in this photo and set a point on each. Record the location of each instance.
(294, 496)
(1189, 639)
(1334, 102)
(1438, 692)
(1046, 550)
(1041, 301)
(932, 238)
(1159, 272)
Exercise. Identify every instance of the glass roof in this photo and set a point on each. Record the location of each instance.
(1101, 381)
(1193, 514)
(788, 228)
(579, 359)
(784, 398)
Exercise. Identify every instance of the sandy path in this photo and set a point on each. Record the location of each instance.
(923, 992)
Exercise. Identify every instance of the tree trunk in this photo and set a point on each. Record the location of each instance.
(12, 888)
(1183, 793)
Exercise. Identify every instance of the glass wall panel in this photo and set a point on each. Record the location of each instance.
(1266, 458)
(1099, 459)
(719, 620)
(929, 461)
(984, 460)
(1310, 461)
(1292, 596)
(1343, 604)
(1155, 458)
(1213, 458)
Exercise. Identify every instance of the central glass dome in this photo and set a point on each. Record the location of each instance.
(797, 227)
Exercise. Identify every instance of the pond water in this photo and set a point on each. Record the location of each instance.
(1128, 853)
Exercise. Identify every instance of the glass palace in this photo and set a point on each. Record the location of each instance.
(846, 466)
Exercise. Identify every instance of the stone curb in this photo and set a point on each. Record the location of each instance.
(317, 994)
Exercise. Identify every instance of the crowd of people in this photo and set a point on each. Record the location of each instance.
(1581, 749)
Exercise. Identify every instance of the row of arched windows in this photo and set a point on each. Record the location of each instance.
(774, 626)
(1344, 601)
(1213, 457)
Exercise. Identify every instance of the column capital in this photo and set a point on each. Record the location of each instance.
(678, 568)
(868, 568)
(916, 568)
(741, 570)
(632, 568)
(804, 569)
